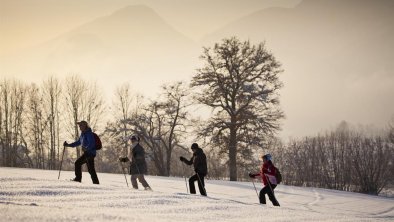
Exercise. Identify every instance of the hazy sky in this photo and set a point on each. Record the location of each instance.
(26, 23)
(337, 55)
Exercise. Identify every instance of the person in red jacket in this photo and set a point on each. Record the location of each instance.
(267, 174)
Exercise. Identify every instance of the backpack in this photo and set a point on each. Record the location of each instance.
(278, 176)
(97, 141)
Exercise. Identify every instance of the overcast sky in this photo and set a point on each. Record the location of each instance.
(336, 57)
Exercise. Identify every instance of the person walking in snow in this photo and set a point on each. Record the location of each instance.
(199, 161)
(267, 174)
(88, 143)
(138, 165)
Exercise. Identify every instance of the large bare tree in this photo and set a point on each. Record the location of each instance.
(83, 101)
(4, 115)
(36, 124)
(118, 132)
(13, 100)
(162, 124)
(240, 82)
(173, 104)
(123, 110)
(51, 91)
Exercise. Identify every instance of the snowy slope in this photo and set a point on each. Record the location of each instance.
(37, 195)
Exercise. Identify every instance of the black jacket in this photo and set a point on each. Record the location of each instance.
(199, 161)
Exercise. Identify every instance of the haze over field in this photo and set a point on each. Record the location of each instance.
(337, 54)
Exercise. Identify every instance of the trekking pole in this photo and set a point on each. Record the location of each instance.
(61, 162)
(187, 188)
(255, 189)
(272, 191)
(202, 184)
(121, 166)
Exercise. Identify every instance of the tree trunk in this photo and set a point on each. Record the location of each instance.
(168, 161)
(76, 136)
(233, 153)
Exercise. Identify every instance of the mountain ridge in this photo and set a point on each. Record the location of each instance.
(133, 45)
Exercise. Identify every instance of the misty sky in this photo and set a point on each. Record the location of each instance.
(27, 23)
(337, 55)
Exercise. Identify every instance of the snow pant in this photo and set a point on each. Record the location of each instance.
(141, 178)
(89, 160)
(270, 192)
(201, 186)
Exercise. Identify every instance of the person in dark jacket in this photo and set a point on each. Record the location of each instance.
(199, 161)
(89, 152)
(138, 165)
(267, 174)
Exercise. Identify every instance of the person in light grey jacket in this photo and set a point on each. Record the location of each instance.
(138, 166)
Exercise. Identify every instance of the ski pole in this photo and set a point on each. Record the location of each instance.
(201, 183)
(121, 166)
(255, 189)
(61, 162)
(272, 191)
(139, 174)
(187, 188)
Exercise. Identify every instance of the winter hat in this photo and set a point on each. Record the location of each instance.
(135, 138)
(83, 123)
(194, 146)
(267, 157)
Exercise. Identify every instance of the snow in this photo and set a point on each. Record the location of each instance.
(37, 195)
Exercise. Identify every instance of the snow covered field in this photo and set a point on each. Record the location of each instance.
(37, 195)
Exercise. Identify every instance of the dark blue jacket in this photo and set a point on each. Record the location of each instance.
(87, 141)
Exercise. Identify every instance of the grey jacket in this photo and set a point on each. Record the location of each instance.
(137, 158)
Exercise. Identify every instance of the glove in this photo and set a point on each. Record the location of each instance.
(251, 175)
(182, 159)
(65, 143)
(124, 159)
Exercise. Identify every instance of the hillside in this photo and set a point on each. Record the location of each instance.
(133, 44)
(37, 195)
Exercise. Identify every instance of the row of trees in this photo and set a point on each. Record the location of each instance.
(34, 120)
(162, 124)
(239, 84)
(347, 158)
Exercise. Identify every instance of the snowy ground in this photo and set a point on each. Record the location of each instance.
(37, 195)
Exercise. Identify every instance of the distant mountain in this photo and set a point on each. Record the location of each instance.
(320, 29)
(337, 56)
(34, 22)
(133, 27)
(132, 43)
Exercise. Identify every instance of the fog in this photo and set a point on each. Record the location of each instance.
(336, 55)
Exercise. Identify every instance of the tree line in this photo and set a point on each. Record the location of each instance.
(238, 84)
(347, 158)
(35, 119)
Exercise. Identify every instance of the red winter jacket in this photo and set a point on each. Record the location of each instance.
(268, 171)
